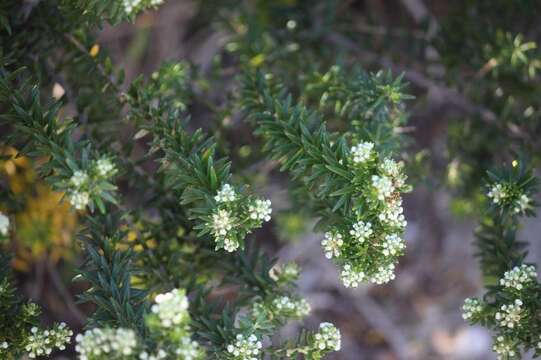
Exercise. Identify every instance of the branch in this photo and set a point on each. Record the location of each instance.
(436, 91)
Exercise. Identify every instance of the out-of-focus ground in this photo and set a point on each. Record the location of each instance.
(418, 315)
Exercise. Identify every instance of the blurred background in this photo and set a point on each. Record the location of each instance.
(416, 316)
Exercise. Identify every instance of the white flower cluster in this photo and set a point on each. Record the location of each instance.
(79, 200)
(96, 342)
(222, 223)
(327, 338)
(504, 348)
(383, 275)
(361, 231)
(4, 224)
(393, 214)
(332, 243)
(82, 183)
(383, 185)
(362, 152)
(471, 308)
(231, 212)
(351, 278)
(497, 193)
(188, 349)
(78, 197)
(161, 354)
(171, 308)
(522, 204)
(284, 272)
(393, 245)
(105, 167)
(133, 6)
(392, 168)
(379, 220)
(226, 194)
(79, 178)
(518, 277)
(510, 314)
(245, 348)
(299, 307)
(43, 342)
(260, 210)
(4, 345)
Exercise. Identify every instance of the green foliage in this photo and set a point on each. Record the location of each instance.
(72, 166)
(512, 303)
(355, 191)
(19, 321)
(109, 273)
(511, 192)
(371, 104)
(153, 262)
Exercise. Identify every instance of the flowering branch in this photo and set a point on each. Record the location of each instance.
(511, 305)
(356, 190)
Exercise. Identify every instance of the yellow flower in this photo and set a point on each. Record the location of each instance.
(46, 224)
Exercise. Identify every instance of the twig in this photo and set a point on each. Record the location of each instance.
(66, 296)
(40, 271)
(99, 66)
(375, 315)
(435, 90)
(420, 13)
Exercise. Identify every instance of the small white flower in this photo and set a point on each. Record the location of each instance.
(4, 224)
(79, 200)
(362, 152)
(361, 231)
(284, 271)
(188, 349)
(260, 210)
(4, 345)
(299, 308)
(393, 245)
(471, 308)
(351, 278)
(393, 169)
(383, 275)
(226, 194)
(78, 179)
(99, 342)
(331, 244)
(328, 338)
(158, 356)
(222, 222)
(522, 204)
(231, 245)
(43, 342)
(104, 167)
(393, 214)
(504, 348)
(131, 5)
(518, 277)
(171, 308)
(497, 193)
(245, 348)
(383, 186)
(510, 314)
